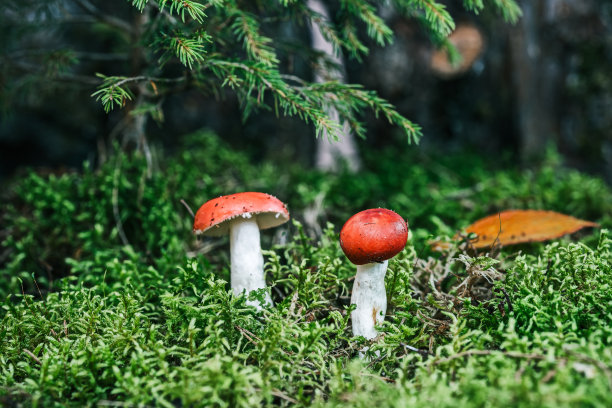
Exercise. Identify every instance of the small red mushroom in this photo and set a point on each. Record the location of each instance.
(368, 239)
(241, 216)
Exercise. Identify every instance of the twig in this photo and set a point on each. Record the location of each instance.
(416, 350)
(430, 319)
(41, 297)
(97, 56)
(115, 202)
(294, 300)
(280, 394)
(247, 334)
(386, 379)
(142, 138)
(164, 12)
(29, 353)
(60, 77)
(507, 297)
(108, 19)
(188, 208)
(278, 292)
(312, 213)
(497, 241)
(25, 298)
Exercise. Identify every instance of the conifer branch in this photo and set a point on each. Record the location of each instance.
(108, 19)
(350, 98)
(286, 100)
(327, 29)
(434, 14)
(257, 46)
(232, 45)
(510, 10)
(473, 5)
(355, 47)
(193, 9)
(189, 51)
(113, 92)
(376, 27)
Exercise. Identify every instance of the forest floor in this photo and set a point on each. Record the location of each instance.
(108, 298)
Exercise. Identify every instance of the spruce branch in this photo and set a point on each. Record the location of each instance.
(326, 27)
(39, 71)
(510, 10)
(435, 15)
(188, 50)
(140, 4)
(351, 98)
(246, 61)
(354, 46)
(258, 78)
(257, 46)
(114, 90)
(473, 5)
(194, 9)
(377, 29)
(111, 92)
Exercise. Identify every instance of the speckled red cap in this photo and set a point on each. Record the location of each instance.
(213, 217)
(373, 235)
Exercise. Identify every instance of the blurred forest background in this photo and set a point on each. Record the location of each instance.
(544, 81)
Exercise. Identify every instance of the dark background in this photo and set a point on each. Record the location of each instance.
(546, 81)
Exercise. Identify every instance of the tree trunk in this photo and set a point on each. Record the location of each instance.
(534, 79)
(331, 155)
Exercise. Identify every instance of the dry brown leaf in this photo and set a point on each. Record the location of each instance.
(518, 226)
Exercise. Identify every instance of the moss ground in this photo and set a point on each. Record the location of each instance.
(109, 300)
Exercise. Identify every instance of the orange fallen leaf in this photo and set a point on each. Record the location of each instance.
(518, 226)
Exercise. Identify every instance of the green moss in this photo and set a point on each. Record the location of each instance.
(143, 324)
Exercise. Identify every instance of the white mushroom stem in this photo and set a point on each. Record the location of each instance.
(246, 258)
(370, 297)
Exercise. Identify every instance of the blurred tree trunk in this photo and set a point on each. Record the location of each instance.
(548, 32)
(134, 124)
(331, 155)
(536, 75)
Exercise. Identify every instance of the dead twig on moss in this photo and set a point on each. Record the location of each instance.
(29, 353)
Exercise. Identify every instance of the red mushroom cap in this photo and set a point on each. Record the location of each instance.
(213, 217)
(373, 235)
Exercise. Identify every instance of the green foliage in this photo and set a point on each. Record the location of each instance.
(111, 92)
(436, 16)
(207, 45)
(122, 305)
(76, 215)
(570, 281)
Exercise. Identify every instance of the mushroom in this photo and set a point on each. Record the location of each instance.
(241, 216)
(368, 239)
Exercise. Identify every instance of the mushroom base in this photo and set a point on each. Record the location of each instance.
(370, 298)
(246, 259)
